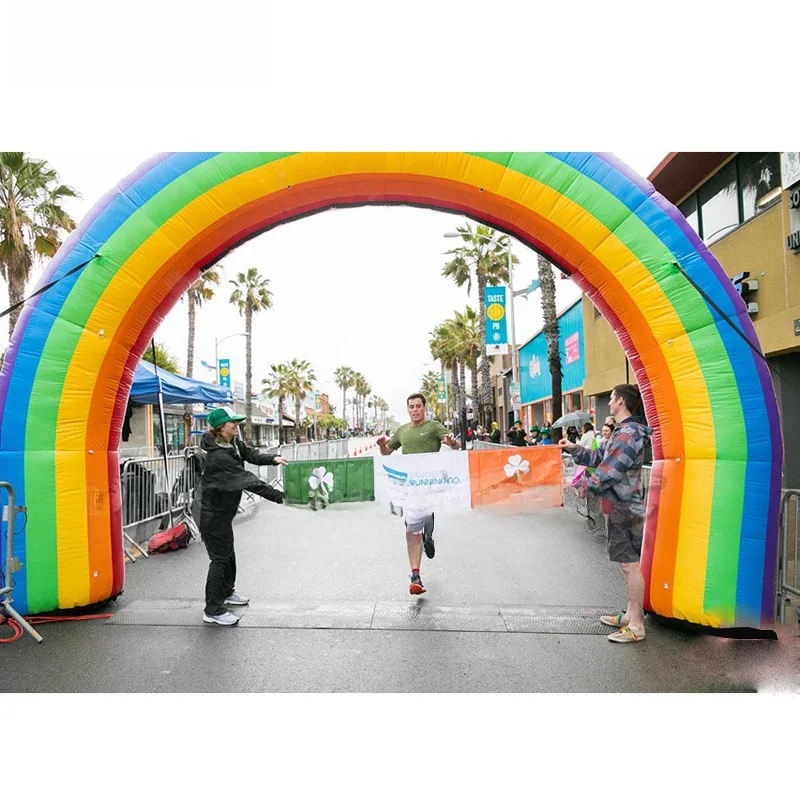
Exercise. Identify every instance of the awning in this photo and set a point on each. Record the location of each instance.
(174, 388)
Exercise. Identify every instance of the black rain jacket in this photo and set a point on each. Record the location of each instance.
(225, 478)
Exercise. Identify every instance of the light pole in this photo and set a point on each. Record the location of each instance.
(514, 359)
(217, 343)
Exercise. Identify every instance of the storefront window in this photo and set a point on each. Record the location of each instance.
(689, 210)
(719, 203)
(742, 189)
(760, 179)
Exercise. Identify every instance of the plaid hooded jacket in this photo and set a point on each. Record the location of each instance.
(618, 473)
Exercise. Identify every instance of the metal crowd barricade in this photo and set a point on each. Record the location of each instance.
(149, 489)
(12, 564)
(273, 475)
(788, 574)
(477, 444)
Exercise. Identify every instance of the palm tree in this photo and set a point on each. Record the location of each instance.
(487, 258)
(359, 383)
(430, 388)
(444, 348)
(32, 220)
(199, 292)
(345, 379)
(364, 391)
(468, 329)
(301, 382)
(278, 384)
(383, 407)
(251, 295)
(550, 327)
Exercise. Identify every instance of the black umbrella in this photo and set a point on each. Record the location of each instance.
(575, 418)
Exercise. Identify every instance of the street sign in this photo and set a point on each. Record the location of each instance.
(494, 298)
(225, 372)
(238, 390)
(317, 402)
(441, 390)
(516, 399)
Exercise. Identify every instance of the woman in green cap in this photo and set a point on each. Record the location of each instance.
(219, 493)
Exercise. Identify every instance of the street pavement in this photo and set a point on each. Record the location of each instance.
(331, 612)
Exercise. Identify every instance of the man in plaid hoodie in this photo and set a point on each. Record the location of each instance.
(618, 480)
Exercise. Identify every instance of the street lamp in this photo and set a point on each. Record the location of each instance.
(217, 343)
(514, 359)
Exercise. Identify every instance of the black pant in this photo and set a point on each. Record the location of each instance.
(217, 535)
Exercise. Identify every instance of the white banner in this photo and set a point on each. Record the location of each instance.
(423, 483)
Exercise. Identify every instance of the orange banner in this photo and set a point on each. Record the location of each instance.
(519, 476)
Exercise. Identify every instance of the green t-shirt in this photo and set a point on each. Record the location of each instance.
(425, 438)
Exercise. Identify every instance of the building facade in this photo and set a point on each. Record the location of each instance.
(746, 208)
(535, 380)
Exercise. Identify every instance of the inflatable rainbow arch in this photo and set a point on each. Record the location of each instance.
(710, 541)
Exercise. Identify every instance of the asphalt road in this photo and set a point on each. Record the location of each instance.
(349, 562)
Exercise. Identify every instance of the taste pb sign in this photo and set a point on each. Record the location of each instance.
(494, 298)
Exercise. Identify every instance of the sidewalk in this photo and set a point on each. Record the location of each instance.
(331, 612)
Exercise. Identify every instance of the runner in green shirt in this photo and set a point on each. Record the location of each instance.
(418, 436)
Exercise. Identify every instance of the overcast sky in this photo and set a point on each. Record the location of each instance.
(360, 287)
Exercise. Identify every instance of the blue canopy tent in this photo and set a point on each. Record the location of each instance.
(174, 388)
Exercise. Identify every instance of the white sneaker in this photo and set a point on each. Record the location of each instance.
(237, 600)
(226, 618)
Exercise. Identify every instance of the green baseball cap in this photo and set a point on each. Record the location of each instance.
(535, 429)
(219, 416)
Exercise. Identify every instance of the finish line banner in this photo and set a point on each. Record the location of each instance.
(516, 477)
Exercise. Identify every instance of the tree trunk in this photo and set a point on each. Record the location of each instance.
(280, 420)
(188, 410)
(248, 370)
(462, 375)
(473, 369)
(454, 396)
(550, 326)
(297, 419)
(344, 403)
(486, 395)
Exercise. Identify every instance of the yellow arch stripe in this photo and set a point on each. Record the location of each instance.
(470, 170)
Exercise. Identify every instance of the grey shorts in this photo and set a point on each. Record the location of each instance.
(625, 532)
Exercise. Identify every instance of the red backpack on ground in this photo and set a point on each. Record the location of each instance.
(173, 538)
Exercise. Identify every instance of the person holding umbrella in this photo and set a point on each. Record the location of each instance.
(221, 485)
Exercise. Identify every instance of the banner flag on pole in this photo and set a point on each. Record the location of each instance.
(494, 298)
(225, 372)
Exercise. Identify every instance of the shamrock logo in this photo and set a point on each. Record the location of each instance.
(321, 481)
(516, 466)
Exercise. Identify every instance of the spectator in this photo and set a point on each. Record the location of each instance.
(545, 436)
(572, 434)
(534, 437)
(618, 481)
(494, 436)
(588, 435)
(516, 436)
